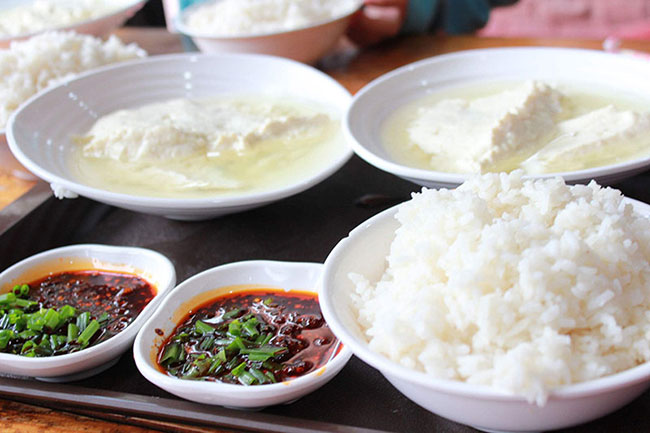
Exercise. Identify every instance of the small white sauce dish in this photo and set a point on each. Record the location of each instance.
(206, 286)
(364, 252)
(377, 100)
(40, 136)
(99, 26)
(305, 44)
(155, 268)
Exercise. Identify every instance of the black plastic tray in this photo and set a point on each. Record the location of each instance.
(301, 228)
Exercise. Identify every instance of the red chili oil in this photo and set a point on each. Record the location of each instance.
(292, 318)
(122, 296)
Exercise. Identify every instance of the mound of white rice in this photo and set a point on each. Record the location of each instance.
(39, 15)
(519, 285)
(244, 17)
(30, 66)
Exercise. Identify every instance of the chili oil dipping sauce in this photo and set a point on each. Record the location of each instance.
(66, 312)
(107, 320)
(251, 337)
(274, 279)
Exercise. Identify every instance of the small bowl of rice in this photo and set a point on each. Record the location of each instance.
(505, 304)
(302, 30)
(21, 19)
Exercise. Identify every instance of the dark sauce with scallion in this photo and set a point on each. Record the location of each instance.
(69, 311)
(254, 337)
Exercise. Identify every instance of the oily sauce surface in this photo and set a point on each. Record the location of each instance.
(121, 296)
(292, 319)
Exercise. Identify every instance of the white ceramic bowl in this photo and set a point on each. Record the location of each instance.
(378, 99)
(8, 163)
(305, 44)
(364, 252)
(150, 265)
(99, 26)
(208, 285)
(39, 136)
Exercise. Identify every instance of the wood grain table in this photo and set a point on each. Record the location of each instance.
(353, 69)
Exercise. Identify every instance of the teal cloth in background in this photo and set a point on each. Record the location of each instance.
(419, 16)
(452, 16)
(465, 16)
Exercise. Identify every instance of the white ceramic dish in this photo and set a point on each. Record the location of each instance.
(99, 26)
(39, 136)
(372, 104)
(215, 282)
(8, 163)
(306, 44)
(364, 252)
(152, 266)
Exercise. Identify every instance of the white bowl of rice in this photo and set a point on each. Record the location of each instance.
(20, 19)
(505, 304)
(303, 30)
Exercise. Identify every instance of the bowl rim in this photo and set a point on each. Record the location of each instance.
(402, 170)
(391, 369)
(339, 158)
(75, 251)
(180, 25)
(178, 297)
(128, 4)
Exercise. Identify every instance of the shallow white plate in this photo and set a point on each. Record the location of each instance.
(39, 132)
(364, 252)
(148, 264)
(208, 285)
(99, 26)
(372, 104)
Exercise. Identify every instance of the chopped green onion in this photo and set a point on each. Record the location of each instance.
(181, 337)
(264, 350)
(270, 375)
(36, 322)
(250, 327)
(237, 371)
(7, 298)
(87, 333)
(234, 328)
(246, 378)
(171, 354)
(203, 328)
(27, 346)
(67, 312)
(259, 376)
(73, 332)
(5, 336)
(206, 343)
(215, 367)
(237, 344)
(51, 319)
(82, 321)
(232, 313)
(25, 303)
(27, 334)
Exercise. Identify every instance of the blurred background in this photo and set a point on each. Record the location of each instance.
(590, 19)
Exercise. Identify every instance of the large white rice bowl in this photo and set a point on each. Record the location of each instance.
(505, 304)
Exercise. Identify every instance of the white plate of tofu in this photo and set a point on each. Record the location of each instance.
(579, 114)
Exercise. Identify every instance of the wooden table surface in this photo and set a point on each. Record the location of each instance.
(351, 68)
